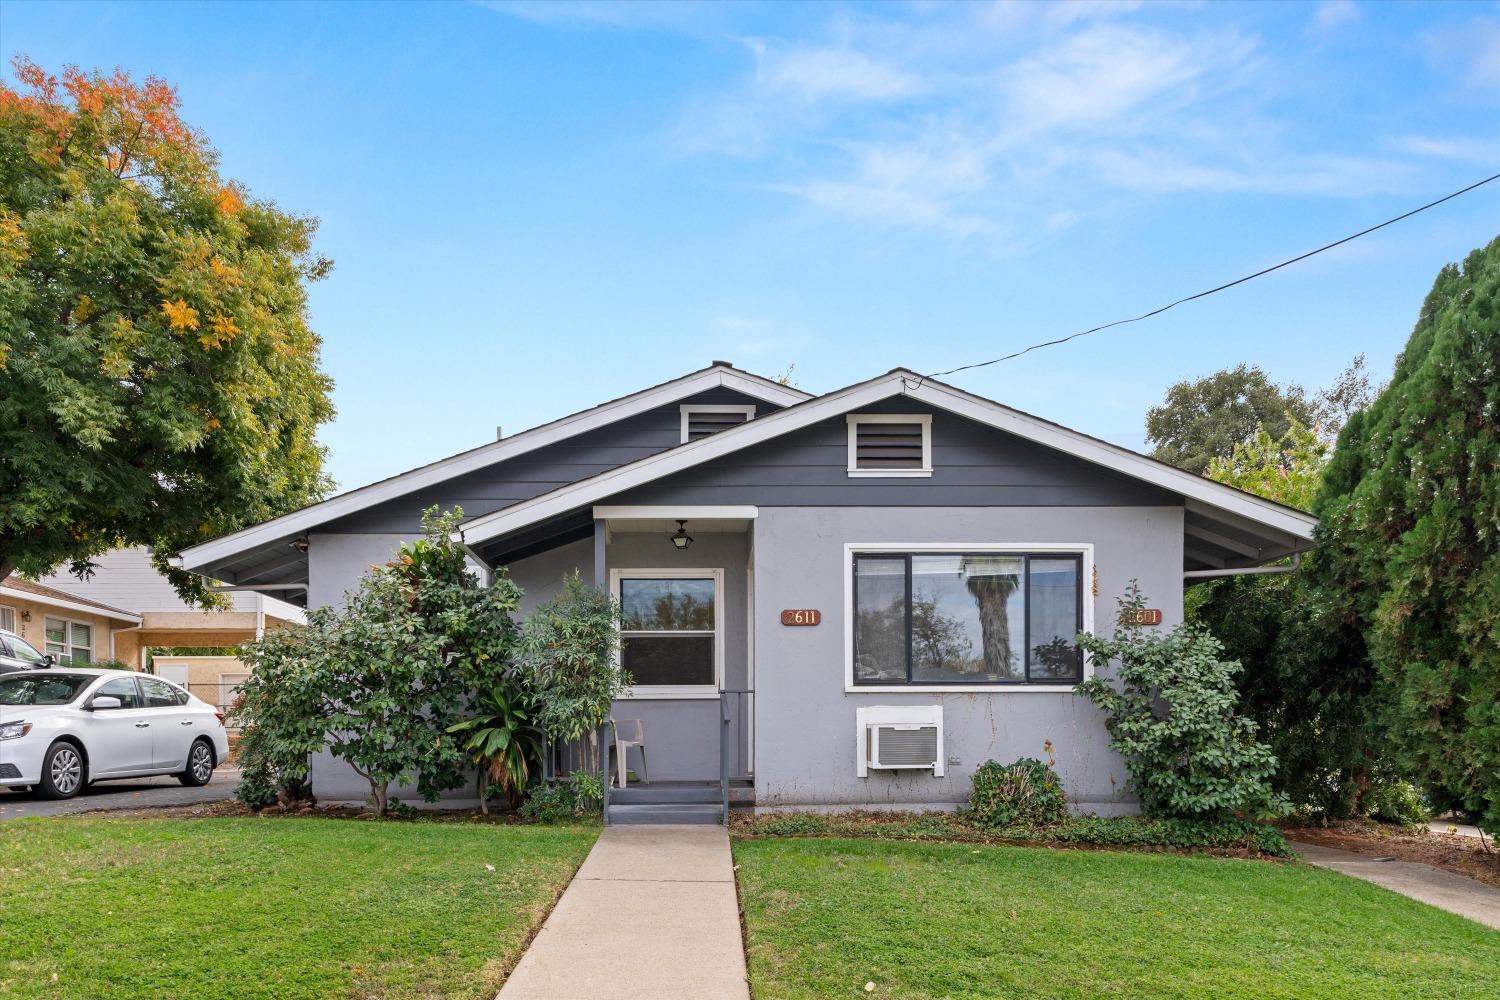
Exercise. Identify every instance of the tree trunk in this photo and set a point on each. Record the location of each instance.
(994, 622)
(379, 791)
(479, 786)
(6, 568)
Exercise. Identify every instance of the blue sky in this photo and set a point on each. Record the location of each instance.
(533, 208)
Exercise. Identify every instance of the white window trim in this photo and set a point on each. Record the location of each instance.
(1086, 549)
(677, 692)
(688, 409)
(68, 623)
(855, 419)
(15, 618)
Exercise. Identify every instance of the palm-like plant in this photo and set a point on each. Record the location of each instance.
(503, 743)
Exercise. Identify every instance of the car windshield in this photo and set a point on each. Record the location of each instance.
(42, 688)
(24, 650)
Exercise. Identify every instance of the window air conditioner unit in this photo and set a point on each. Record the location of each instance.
(899, 738)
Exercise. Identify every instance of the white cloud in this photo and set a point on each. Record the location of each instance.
(1331, 15)
(1463, 148)
(812, 75)
(1472, 48)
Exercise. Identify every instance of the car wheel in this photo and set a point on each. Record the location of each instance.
(200, 765)
(62, 772)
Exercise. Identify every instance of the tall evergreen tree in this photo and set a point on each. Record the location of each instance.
(1411, 541)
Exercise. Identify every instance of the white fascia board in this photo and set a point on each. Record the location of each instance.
(587, 491)
(359, 499)
(58, 602)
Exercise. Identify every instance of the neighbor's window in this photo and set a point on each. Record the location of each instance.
(890, 444)
(669, 631)
(967, 618)
(7, 618)
(70, 641)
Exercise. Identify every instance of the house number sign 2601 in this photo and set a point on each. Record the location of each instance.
(801, 616)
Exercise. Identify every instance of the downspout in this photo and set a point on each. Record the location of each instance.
(1209, 574)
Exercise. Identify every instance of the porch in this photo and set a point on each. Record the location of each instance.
(679, 745)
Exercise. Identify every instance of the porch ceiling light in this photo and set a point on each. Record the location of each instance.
(682, 539)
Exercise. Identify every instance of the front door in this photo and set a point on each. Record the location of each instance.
(119, 739)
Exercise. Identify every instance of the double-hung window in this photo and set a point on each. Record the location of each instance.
(671, 631)
(71, 642)
(956, 618)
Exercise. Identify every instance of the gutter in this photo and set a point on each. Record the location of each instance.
(1209, 574)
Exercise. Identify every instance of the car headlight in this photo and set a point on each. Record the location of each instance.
(14, 730)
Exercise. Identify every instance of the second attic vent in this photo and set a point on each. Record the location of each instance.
(890, 444)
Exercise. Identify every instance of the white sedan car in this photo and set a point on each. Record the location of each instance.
(62, 729)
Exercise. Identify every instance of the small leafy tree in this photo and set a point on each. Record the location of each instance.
(401, 662)
(1188, 752)
(567, 660)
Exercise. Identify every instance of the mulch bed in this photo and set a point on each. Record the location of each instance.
(1448, 851)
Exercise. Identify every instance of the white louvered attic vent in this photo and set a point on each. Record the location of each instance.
(890, 444)
(900, 738)
(699, 420)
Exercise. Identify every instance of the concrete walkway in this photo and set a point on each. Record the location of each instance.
(651, 915)
(1455, 893)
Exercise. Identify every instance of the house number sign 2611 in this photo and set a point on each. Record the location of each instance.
(801, 616)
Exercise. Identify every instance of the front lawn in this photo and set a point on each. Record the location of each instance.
(824, 917)
(272, 907)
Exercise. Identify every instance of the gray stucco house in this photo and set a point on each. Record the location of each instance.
(881, 590)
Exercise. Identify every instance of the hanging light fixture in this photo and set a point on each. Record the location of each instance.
(682, 539)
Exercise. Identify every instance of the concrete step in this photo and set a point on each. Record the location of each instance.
(640, 794)
(658, 813)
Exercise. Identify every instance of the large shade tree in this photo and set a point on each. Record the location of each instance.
(159, 383)
(1203, 419)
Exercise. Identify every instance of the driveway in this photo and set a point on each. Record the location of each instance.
(136, 793)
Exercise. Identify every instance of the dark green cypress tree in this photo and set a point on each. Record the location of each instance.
(1411, 543)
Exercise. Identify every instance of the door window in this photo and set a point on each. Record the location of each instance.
(122, 688)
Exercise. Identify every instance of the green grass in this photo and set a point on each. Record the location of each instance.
(823, 917)
(278, 908)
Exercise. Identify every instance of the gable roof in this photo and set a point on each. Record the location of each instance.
(289, 526)
(1203, 496)
(21, 589)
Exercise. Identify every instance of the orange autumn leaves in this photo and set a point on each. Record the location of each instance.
(135, 124)
(221, 327)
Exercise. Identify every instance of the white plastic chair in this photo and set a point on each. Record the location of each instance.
(636, 730)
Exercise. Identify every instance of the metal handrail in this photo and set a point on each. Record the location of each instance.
(605, 742)
(725, 718)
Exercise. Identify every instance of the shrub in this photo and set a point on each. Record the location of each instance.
(281, 714)
(1392, 800)
(565, 800)
(567, 660)
(1188, 752)
(1024, 792)
(1094, 831)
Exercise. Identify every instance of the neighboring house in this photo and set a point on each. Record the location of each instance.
(896, 570)
(73, 628)
(159, 622)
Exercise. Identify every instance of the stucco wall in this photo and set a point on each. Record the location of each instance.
(336, 562)
(805, 721)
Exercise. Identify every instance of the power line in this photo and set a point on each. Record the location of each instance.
(1220, 288)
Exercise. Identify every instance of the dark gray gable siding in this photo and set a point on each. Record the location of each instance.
(542, 470)
(972, 466)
